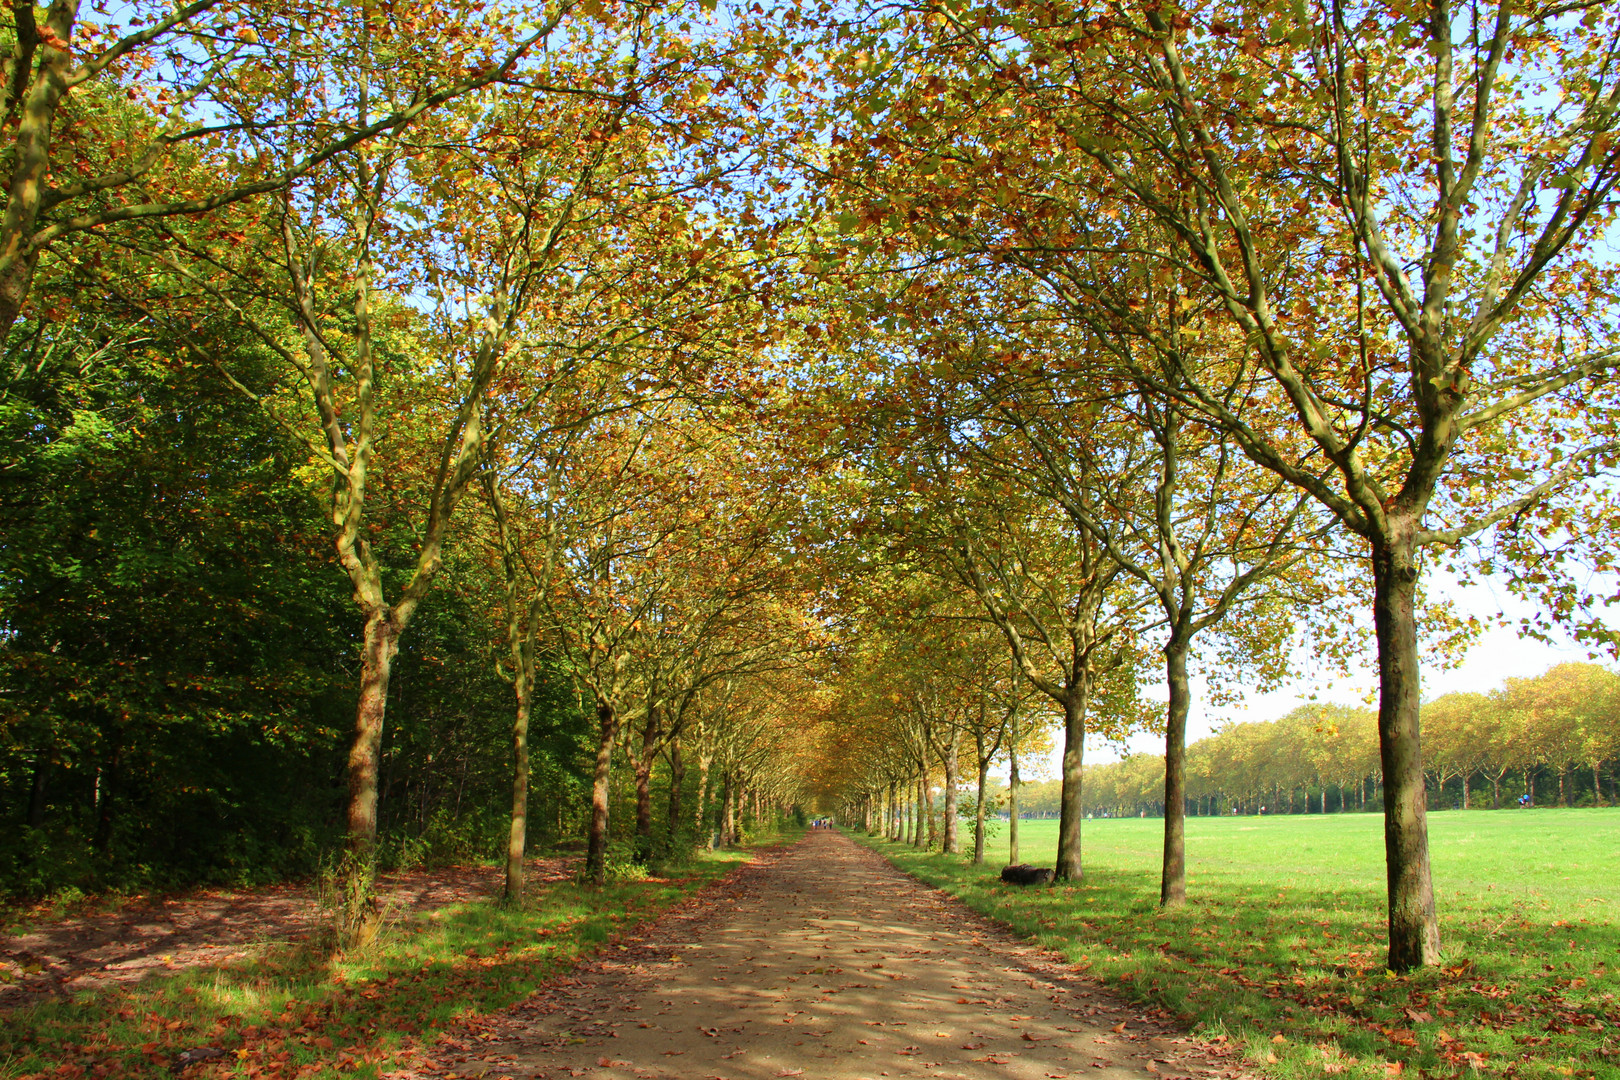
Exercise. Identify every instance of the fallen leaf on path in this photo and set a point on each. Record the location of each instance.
(1029, 1037)
(791, 1072)
(973, 1046)
(1118, 1027)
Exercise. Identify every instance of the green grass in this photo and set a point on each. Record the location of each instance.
(292, 1011)
(1281, 945)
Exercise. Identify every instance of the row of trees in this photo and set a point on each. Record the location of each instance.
(179, 658)
(463, 303)
(1553, 739)
(996, 355)
(1196, 304)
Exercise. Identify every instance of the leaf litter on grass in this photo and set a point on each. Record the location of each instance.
(1531, 993)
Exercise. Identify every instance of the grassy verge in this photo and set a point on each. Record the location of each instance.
(292, 1012)
(1281, 945)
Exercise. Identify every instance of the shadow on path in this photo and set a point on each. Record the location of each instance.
(822, 961)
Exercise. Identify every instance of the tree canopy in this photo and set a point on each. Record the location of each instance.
(476, 418)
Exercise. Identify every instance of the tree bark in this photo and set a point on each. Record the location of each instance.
(607, 725)
(1173, 875)
(919, 831)
(1012, 807)
(728, 811)
(106, 793)
(36, 793)
(358, 915)
(517, 839)
(1070, 813)
(701, 811)
(1414, 932)
(978, 813)
(950, 828)
(643, 769)
(677, 780)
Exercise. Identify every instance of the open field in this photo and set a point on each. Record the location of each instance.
(1281, 944)
(289, 1009)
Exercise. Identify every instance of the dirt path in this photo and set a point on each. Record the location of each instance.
(823, 961)
(210, 927)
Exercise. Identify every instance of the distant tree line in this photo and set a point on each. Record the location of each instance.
(1553, 740)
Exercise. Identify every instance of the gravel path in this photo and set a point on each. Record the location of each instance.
(822, 961)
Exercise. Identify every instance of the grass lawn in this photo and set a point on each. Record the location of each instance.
(1282, 942)
(292, 1011)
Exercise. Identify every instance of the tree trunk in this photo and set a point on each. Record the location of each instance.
(1530, 785)
(702, 819)
(106, 792)
(1465, 791)
(1173, 877)
(1414, 932)
(358, 914)
(1566, 795)
(1496, 792)
(677, 779)
(951, 829)
(607, 724)
(1070, 812)
(643, 769)
(728, 811)
(1012, 807)
(1597, 784)
(42, 768)
(978, 814)
(891, 820)
(517, 838)
(919, 831)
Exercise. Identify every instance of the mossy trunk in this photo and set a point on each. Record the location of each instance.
(358, 915)
(518, 836)
(596, 841)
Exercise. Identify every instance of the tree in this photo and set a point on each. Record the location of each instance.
(1058, 598)
(83, 159)
(1430, 334)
